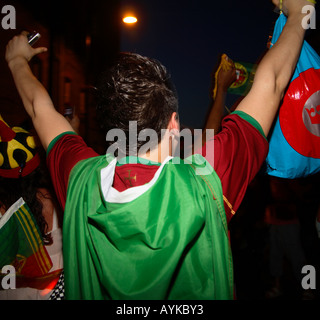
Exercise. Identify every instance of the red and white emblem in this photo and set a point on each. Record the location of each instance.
(300, 114)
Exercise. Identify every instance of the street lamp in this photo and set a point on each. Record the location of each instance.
(130, 19)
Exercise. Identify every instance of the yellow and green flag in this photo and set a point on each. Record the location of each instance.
(21, 243)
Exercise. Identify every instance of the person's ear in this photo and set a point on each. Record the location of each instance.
(174, 122)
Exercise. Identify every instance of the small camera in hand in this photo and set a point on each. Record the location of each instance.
(33, 37)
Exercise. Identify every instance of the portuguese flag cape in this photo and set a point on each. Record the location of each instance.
(167, 239)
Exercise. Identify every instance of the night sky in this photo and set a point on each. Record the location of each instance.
(188, 37)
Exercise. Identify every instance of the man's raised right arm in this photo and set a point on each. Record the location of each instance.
(276, 68)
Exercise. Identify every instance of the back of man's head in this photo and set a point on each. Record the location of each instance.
(136, 88)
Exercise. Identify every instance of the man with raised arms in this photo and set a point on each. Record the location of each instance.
(145, 227)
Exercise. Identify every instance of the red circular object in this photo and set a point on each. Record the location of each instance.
(299, 114)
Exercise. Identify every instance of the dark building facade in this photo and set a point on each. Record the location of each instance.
(82, 37)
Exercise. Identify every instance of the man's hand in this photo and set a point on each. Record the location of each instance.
(292, 6)
(226, 77)
(18, 48)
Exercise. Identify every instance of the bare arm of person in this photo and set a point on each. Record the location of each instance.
(224, 80)
(47, 121)
(276, 68)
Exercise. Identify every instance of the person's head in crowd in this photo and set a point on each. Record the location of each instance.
(22, 173)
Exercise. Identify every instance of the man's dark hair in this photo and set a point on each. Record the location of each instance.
(136, 88)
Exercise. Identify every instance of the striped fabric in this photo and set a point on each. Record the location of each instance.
(21, 242)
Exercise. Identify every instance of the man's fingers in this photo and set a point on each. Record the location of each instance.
(276, 2)
(25, 33)
(40, 50)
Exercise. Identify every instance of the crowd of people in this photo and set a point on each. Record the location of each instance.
(144, 226)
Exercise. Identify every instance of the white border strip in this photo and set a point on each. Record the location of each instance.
(7, 215)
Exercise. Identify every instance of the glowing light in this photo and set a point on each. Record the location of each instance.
(130, 19)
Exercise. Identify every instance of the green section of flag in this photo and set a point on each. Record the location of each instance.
(149, 247)
(21, 242)
(9, 235)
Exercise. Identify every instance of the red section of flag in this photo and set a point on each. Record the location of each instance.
(300, 114)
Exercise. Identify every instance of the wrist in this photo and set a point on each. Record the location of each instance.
(300, 12)
(222, 90)
(16, 62)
